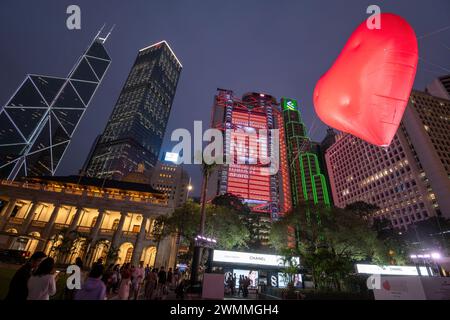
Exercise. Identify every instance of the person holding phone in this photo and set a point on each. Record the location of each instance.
(42, 283)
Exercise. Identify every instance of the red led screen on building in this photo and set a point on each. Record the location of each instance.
(246, 180)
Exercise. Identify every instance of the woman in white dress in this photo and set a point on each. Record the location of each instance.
(42, 284)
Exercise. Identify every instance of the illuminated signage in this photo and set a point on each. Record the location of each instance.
(171, 157)
(388, 270)
(290, 104)
(249, 258)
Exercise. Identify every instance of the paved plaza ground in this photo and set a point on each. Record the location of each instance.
(7, 271)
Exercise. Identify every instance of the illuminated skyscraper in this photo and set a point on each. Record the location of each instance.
(440, 87)
(136, 128)
(306, 180)
(409, 180)
(267, 195)
(38, 122)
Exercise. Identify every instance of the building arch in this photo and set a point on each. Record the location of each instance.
(78, 249)
(12, 230)
(54, 242)
(32, 242)
(101, 250)
(25, 243)
(148, 256)
(125, 253)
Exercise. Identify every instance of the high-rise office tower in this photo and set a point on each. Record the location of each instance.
(440, 87)
(409, 180)
(306, 179)
(136, 128)
(38, 122)
(268, 195)
(171, 179)
(165, 177)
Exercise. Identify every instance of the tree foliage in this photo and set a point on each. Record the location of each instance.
(329, 241)
(254, 222)
(222, 223)
(233, 202)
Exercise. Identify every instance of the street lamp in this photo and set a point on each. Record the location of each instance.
(189, 189)
(178, 241)
(435, 255)
(205, 242)
(208, 243)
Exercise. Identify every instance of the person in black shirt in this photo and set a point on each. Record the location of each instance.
(18, 287)
(170, 278)
(162, 279)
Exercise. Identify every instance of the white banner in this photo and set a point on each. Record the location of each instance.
(249, 258)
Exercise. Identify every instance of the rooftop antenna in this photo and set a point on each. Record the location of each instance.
(103, 40)
(100, 31)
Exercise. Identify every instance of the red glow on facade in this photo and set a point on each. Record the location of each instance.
(246, 180)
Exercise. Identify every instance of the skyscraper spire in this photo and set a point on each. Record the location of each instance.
(39, 120)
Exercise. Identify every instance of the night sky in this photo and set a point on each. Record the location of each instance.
(279, 47)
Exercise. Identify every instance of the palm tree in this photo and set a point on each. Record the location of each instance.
(206, 171)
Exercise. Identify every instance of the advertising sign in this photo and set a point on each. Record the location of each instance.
(290, 104)
(400, 288)
(171, 157)
(387, 270)
(249, 258)
(413, 288)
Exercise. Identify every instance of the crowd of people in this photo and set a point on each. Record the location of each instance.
(244, 284)
(37, 278)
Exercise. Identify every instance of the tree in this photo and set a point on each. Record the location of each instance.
(207, 168)
(206, 171)
(231, 201)
(64, 245)
(329, 240)
(252, 221)
(256, 223)
(392, 239)
(363, 209)
(222, 223)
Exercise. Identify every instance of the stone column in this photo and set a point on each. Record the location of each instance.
(138, 246)
(48, 227)
(118, 234)
(172, 263)
(98, 224)
(75, 220)
(7, 212)
(94, 234)
(30, 216)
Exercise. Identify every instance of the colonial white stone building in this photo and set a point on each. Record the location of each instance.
(70, 217)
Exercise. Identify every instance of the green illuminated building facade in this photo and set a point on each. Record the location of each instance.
(307, 181)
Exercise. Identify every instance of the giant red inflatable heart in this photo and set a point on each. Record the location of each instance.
(366, 91)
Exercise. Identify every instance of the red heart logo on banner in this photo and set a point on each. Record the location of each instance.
(386, 285)
(366, 91)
